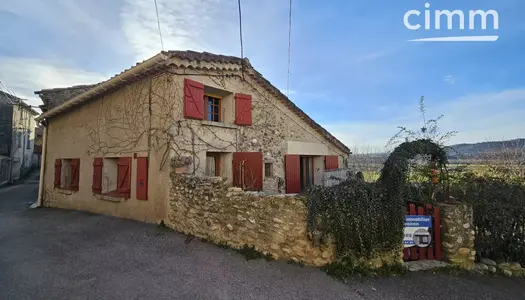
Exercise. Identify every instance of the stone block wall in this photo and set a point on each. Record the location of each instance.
(458, 234)
(208, 208)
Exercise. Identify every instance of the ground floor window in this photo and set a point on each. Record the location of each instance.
(213, 164)
(67, 172)
(112, 176)
(66, 176)
(268, 170)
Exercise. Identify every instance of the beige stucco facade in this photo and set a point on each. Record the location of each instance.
(146, 118)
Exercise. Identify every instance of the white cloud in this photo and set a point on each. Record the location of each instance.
(450, 79)
(24, 76)
(476, 118)
(195, 25)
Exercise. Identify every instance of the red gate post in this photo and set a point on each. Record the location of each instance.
(406, 251)
(422, 250)
(432, 247)
(413, 249)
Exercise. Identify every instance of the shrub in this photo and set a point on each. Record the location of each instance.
(499, 215)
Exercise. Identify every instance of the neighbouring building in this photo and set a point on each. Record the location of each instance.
(37, 152)
(17, 134)
(109, 148)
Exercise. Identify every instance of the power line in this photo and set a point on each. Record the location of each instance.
(240, 37)
(240, 28)
(5, 85)
(158, 24)
(289, 49)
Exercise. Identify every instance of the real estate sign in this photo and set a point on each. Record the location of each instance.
(417, 231)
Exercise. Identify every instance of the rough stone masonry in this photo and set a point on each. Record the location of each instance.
(208, 207)
(458, 234)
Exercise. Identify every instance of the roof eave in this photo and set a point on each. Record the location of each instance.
(119, 79)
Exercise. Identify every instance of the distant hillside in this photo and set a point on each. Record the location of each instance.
(467, 150)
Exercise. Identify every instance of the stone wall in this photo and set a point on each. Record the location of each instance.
(208, 208)
(458, 234)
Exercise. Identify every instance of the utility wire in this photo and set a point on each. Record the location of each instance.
(158, 24)
(240, 28)
(240, 36)
(289, 49)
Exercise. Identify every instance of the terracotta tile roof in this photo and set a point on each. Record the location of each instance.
(56, 97)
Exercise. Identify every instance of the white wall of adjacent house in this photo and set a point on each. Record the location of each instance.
(23, 141)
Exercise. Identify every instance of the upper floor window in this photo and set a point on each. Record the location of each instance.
(214, 108)
(213, 104)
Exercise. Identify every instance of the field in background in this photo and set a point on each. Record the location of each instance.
(371, 172)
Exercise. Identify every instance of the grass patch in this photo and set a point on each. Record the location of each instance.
(163, 225)
(345, 268)
(452, 270)
(249, 252)
(299, 264)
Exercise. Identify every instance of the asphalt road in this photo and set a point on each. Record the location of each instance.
(58, 254)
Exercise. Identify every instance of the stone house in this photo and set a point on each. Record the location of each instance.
(17, 134)
(109, 148)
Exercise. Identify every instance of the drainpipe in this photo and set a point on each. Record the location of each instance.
(40, 200)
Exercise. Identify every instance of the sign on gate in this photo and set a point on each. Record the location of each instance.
(417, 231)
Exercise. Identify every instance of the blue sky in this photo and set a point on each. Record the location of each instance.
(353, 69)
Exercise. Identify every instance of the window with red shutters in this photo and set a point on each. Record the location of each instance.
(194, 106)
(75, 174)
(124, 177)
(292, 165)
(243, 109)
(58, 172)
(331, 162)
(97, 175)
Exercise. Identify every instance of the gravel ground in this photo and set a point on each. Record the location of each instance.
(58, 254)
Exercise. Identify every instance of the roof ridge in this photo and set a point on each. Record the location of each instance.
(190, 55)
(79, 86)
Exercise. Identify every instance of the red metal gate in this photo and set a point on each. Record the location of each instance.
(433, 251)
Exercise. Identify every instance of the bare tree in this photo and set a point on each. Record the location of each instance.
(429, 130)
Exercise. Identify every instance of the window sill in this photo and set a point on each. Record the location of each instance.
(111, 197)
(65, 191)
(219, 124)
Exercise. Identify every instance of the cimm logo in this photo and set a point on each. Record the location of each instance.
(433, 21)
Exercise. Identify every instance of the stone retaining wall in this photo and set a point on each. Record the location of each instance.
(208, 208)
(458, 234)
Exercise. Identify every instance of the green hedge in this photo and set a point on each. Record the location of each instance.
(499, 215)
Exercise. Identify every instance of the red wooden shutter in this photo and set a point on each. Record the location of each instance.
(58, 171)
(292, 166)
(97, 175)
(248, 170)
(142, 178)
(124, 177)
(243, 109)
(194, 100)
(331, 162)
(75, 173)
